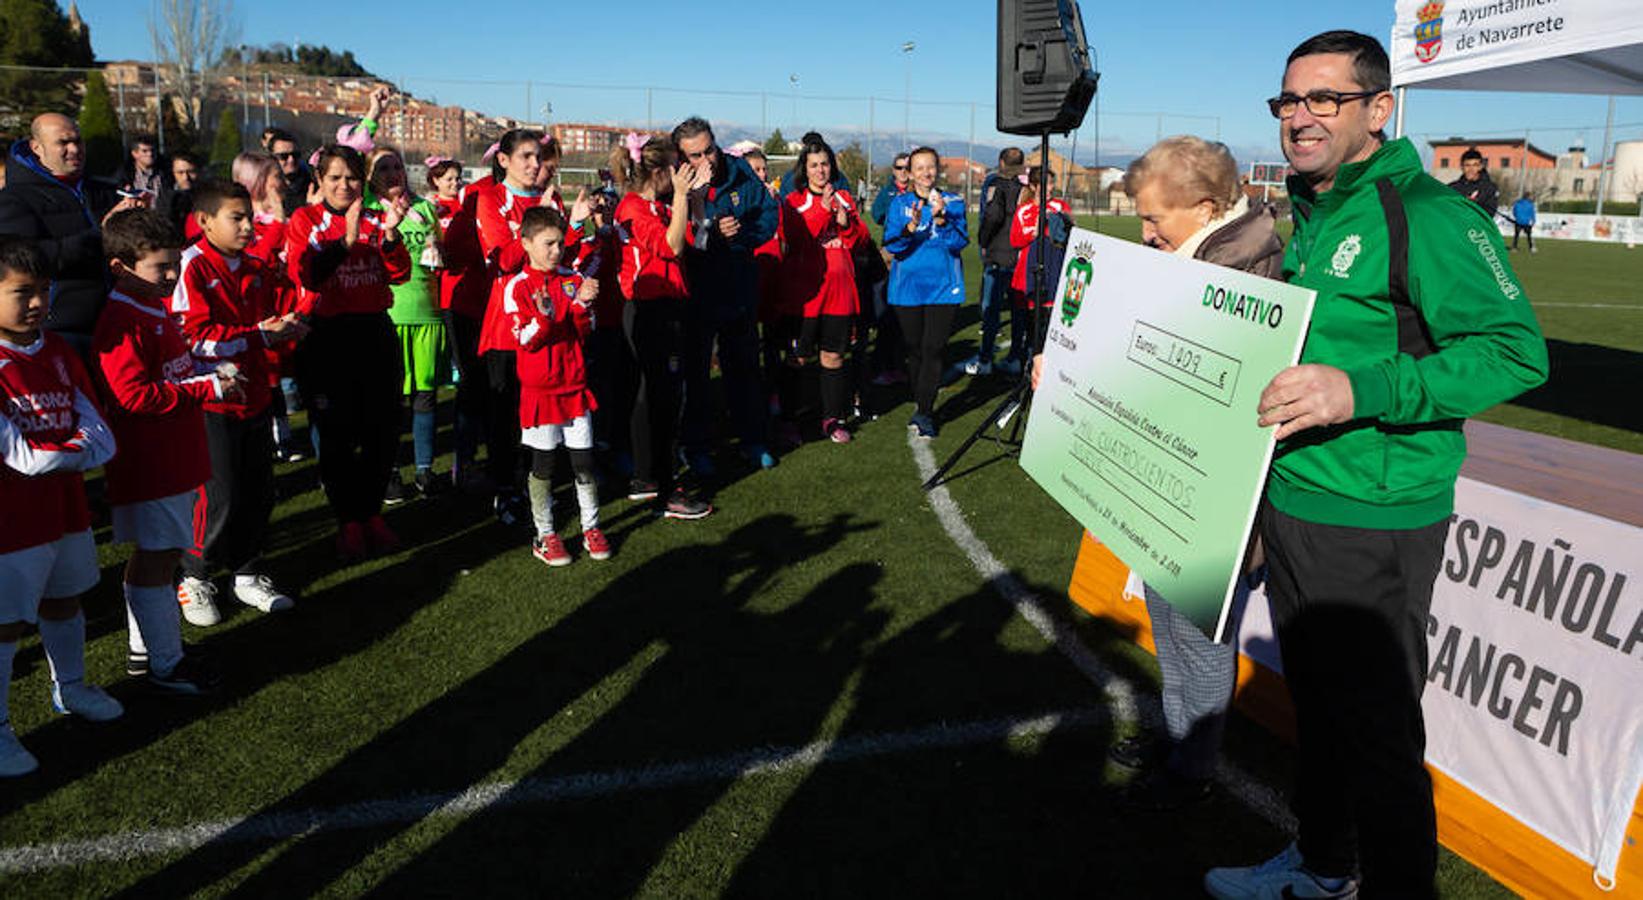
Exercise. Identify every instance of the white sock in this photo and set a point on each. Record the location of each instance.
(65, 643)
(156, 613)
(587, 497)
(134, 631)
(8, 649)
(541, 493)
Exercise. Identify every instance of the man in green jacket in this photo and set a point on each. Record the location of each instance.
(1419, 323)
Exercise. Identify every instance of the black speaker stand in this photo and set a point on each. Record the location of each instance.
(1020, 396)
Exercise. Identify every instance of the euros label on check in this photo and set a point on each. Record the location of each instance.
(1143, 425)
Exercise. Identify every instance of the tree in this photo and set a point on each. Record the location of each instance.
(225, 145)
(36, 33)
(100, 128)
(189, 37)
(853, 163)
(775, 145)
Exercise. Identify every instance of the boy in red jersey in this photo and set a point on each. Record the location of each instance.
(50, 432)
(222, 305)
(154, 397)
(551, 311)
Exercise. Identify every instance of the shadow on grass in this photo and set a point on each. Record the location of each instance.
(327, 625)
(1589, 382)
(729, 675)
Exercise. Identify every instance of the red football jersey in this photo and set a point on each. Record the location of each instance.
(153, 398)
(37, 391)
(218, 303)
(650, 269)
(1022, 231)
(464, 283)
(547, 326)
(820, 270)
(334, 280)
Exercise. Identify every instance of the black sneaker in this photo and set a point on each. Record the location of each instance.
(136, 663)
(1139, 752)
(640, 489)
(191, 676)
(397, 493)
(681, 505)
(430, 483)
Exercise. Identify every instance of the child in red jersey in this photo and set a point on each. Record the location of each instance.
(823, 228)
(464, 288)
(343, 259)
(260, 174)
(154, 397)
(1023, 231)
(222, 305)
(551, 311)
(50, 432)
(653, 279)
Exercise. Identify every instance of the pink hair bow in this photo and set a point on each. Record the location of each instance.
(490, 152)
(635, 142)
(432, 161)
(737, 152)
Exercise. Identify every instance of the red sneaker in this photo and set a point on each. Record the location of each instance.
(551, 550)
(382, 538)
(351, 541)
(594, 542)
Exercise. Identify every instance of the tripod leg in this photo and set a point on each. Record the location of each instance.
(1016, 396)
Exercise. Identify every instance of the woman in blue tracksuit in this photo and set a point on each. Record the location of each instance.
(925, 230)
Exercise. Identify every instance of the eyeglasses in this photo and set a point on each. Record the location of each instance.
(711, 149)
(284, 156)
(1322, 104)
(901, 168)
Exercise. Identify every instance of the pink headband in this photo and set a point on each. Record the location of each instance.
(635, 142)
(432, 161)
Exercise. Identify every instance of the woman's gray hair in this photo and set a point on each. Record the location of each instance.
(1188, 170)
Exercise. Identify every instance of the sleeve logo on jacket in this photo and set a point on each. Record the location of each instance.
(1503, 280)
(1346, 253)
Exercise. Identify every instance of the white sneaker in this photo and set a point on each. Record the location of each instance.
(15, 759)
(198, 598)
(1282, 876)
(88, 701)
(261, 593)
(978, 366)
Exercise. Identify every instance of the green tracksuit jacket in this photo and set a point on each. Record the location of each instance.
(1474, 344)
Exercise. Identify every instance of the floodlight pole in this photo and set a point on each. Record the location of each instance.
(1397, 127)
(1608, 157)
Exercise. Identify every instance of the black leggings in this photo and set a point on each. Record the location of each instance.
(926, 329)
(656, 330)
(502, 420)
(470, 385)
(352, 386)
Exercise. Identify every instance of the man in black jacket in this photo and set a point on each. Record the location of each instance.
(1000, 193)
(48, 200)
(1474, 182)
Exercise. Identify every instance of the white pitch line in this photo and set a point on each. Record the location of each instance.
(1636, 306)
(277, 826)
(1128, 705)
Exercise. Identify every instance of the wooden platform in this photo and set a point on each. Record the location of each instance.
(1604, 482)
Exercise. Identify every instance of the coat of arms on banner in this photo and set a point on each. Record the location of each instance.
(1076, 279)
(1429, 31)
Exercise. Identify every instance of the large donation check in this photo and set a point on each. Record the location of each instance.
(1143, 425)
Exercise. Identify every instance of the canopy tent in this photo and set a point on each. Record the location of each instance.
(1551, 46)
(1541, 46)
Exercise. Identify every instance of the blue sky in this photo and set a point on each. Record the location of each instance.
(1202, 65)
